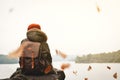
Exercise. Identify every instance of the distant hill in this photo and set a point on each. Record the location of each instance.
(5, 60)
(110, 57)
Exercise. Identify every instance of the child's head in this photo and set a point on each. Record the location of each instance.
(34, 33)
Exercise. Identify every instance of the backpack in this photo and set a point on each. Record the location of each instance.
(32, 61)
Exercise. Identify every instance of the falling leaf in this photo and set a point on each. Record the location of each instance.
(85, 78)
(57, 52)
(11, 9)
(89, 68)
(98, 8)
(108, 67)
(18, 52)
(65, 65)
(115, 75)
(75, 72)
(63, 55)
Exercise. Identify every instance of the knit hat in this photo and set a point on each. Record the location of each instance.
(34, 26)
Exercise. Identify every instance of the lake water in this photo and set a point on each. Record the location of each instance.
(98, 71)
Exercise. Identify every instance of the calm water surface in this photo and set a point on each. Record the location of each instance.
(98, 71)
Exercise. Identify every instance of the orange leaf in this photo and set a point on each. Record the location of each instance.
(75, 72)
(89, 68)
(63, 55)
(64, 66)
(48, 69)
(98, 8)
(115, 75)
(108, 67)
(86, 79)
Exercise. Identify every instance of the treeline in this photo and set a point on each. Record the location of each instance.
(4, 59)
(111, 57)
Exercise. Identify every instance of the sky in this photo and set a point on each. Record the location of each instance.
(76, 27)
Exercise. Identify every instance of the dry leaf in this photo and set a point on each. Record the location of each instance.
(63, 55)
(108, 67)
(18, 52)
(85, 78)
(89, 68)
(11, 9)
(57, 52)
(64, 66)
(75, 72)
(115, 75)
(98, 8)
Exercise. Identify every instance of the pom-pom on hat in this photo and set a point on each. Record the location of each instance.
(34, 26)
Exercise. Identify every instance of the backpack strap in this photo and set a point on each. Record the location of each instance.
(22, 61)
(32, 60)
(40, 52)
